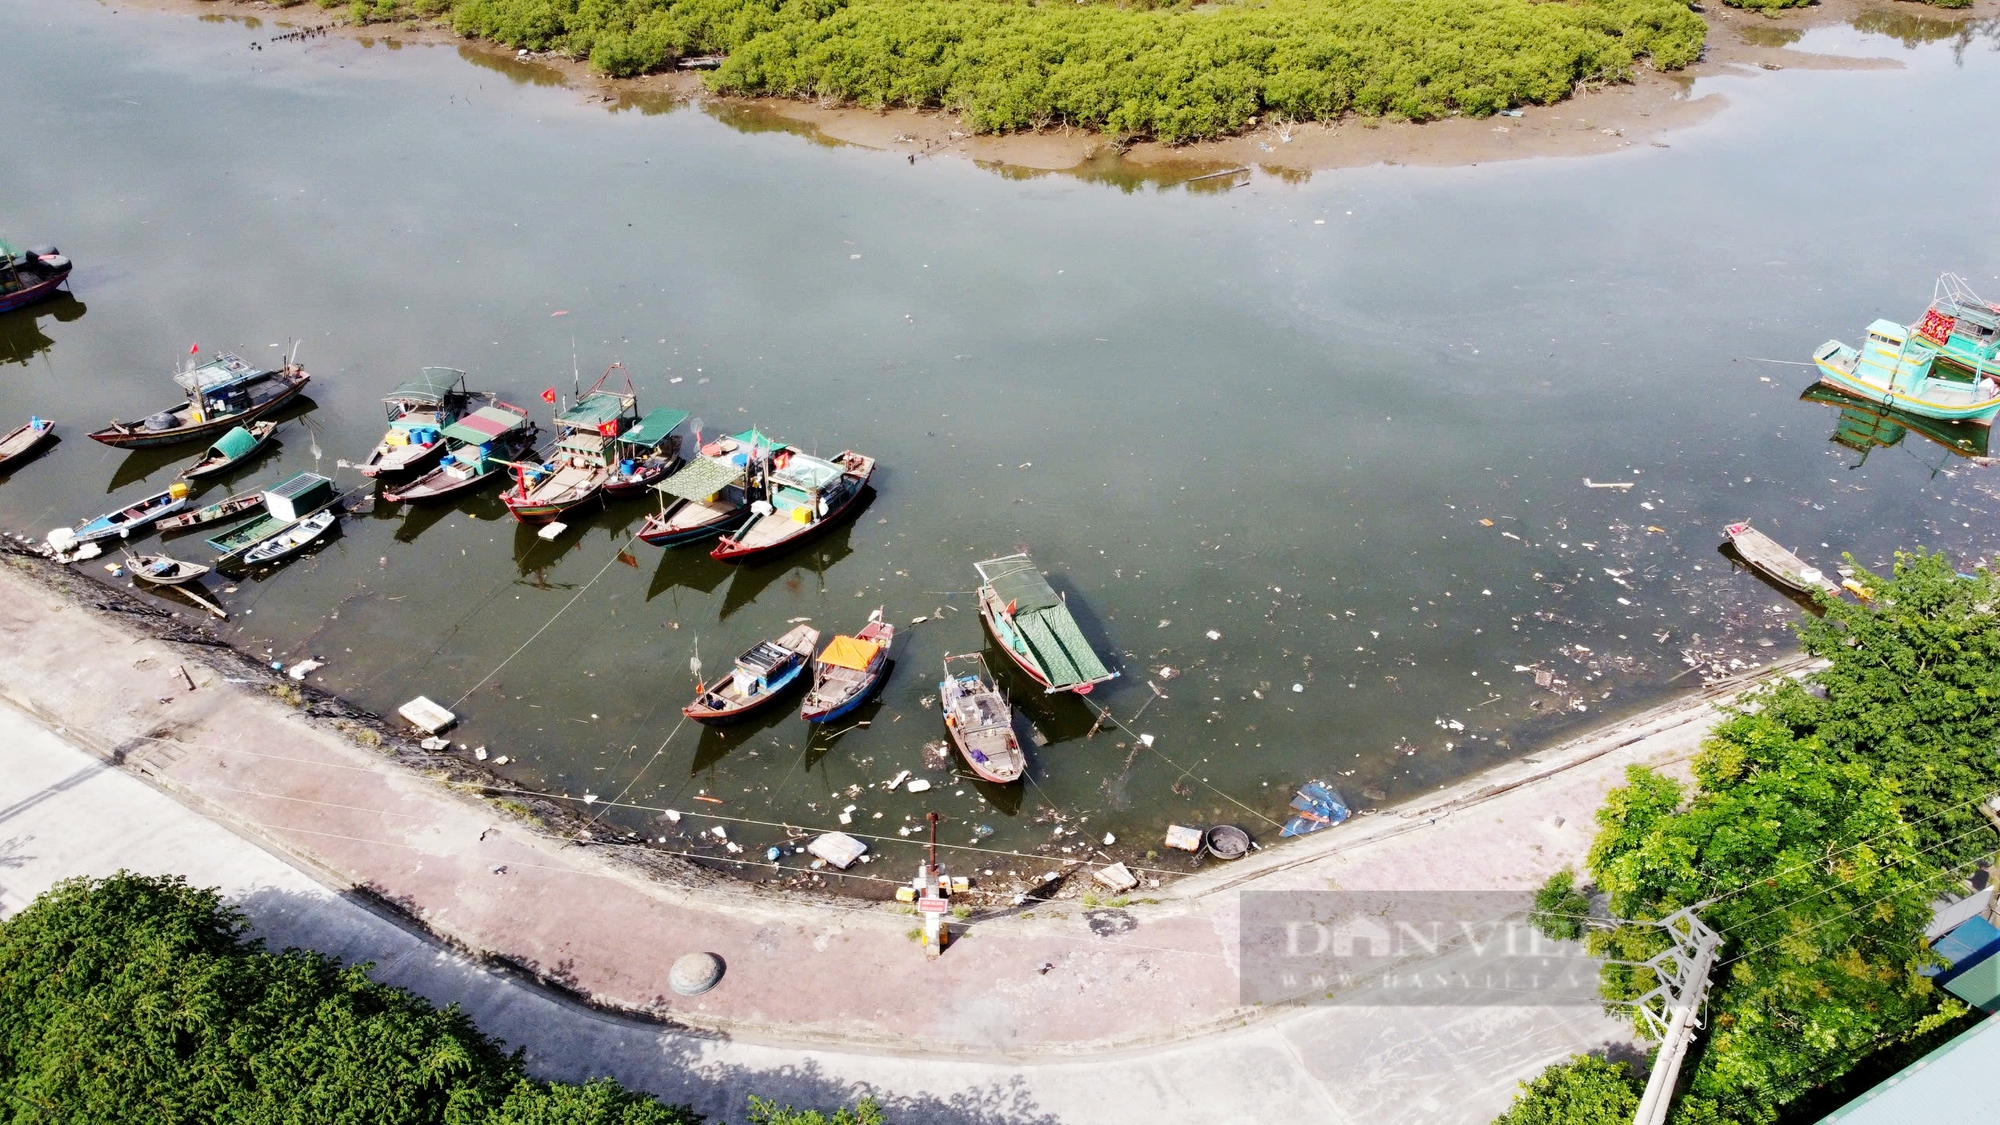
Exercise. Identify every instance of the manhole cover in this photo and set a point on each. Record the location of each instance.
(695, 973)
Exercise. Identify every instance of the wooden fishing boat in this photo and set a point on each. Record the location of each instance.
(481, 446)
(712, 493)
(647, 453)
(286, 504)
(25, 440)
(27, 278)
(225, 509)
(162, 570)
(223, 393)
(1763, 554)
(1032, 623)
(760, 678)
(582, 460)
(290, 541)
(231, 450)
(134, 517)
(1964, 328)
(980, 720)
(419, 411)
(804, 497)
(1893, 367)
(849, 672)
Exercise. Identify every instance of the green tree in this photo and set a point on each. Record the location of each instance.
(1586, 1090)
(762, 1112)
(1560, 909)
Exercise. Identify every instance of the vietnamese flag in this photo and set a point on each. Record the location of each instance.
(608, 429)
(193, 348)
(549, 396)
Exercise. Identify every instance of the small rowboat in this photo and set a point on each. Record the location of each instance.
(25, 440)
(27, 278)
(1763, 554)
(760, 678)
(805, 497)
(290, 542)
(980, 721)
(160, 570)
(221, 510)
(850, 671)
(137, 517)
(231, 449)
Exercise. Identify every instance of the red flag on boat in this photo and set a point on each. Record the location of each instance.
(193, 348)
(608, 429)
(549, 396)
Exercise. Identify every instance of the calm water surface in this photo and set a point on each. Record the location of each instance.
(1308, 457)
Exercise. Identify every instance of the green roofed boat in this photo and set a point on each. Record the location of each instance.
(650, 450)
(712, 493)
(231, 450)
(584, 456)
(478, 446)
(287, 504)
(1032, 623)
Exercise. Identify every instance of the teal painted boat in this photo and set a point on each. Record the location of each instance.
(1032, 623)
(1895, 368)
(1963, 327)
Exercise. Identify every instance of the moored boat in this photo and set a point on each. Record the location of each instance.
(760, 678)
(1895, 368)
(231, 449)
(1032, 623)
(711, 494)
(804, 497)
(286, 504)
(1964, 328)
(849, 672)
(290, 541)
(647, 453)
(27, 278)
(25, 439)
(223, 393)
(164, 570)
(980, 720)
(481, 446)
(419, 411)
(1763, 554)
(224, 509)
(582, 460)
(134, 517)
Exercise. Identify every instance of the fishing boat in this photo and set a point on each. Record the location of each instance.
(1895, 368)
(290, 541)
(286, 504)
(1315, 806)
(712, 493)
(1032, 623)
(162, 570)
(759, 679)
(1964, 328)
(231, 449)
(1763, 554)
(849, 672)
(480, 446)
(135, 517)
(223, 393)
(224, 509)
(980, 720)
(647, 453)
(25, 440)
(804, 497)
(419, 411)
(27, 278)
(582, 461)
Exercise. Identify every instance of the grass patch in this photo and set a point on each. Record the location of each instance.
(288, 693)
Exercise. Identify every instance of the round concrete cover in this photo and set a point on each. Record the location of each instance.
(695, 973)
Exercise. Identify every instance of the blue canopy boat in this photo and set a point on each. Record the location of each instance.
(1316, 806)
(1893, 368)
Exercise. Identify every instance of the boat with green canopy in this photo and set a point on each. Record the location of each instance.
(650, 450)
(712, 493)
(479, 446)
(419, 411)
(287, 504)
(231, 450)
(580, 464)
(1032, 623)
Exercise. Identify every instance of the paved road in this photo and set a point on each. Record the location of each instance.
(64, 812)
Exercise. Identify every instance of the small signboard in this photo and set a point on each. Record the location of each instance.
(933, 905)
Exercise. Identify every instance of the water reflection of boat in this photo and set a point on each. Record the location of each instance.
(419, 411)
(1963, 327)
(22, 338)
(1862, 426)
(1896, 368)
(30, 277)
(222, 394)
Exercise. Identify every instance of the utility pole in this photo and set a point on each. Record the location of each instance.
(1669, 1010)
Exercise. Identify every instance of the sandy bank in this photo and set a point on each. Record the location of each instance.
(1599, 120)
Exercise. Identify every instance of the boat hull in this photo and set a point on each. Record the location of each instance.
(851, 704)
(778, 693)
(729, 550)
(1977, 413)
(218, 512)
(137, 437)
(656, 531)
(253, 558)
(422, 489)
(29, 294)
(150, 510)
(380, 466)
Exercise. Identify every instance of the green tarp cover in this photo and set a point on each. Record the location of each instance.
(597, 408)
(1017, 581)
(248, 534)
(432, 387)
(653, 428)
(1077, 650)
(234, 444)
(759, 439)
(702, 478)
(483, 425)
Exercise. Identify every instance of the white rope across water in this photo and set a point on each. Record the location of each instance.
(545, 625)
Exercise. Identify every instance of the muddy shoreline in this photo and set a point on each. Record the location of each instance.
(1644, 112)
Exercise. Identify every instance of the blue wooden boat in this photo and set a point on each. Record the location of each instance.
(849, 672)
(1895, 368)
(134, 517)
(1963, 327)
(27, 278)
(760, 678)
(1315, 806)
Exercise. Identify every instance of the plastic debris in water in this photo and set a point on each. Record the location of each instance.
(982, 830)
(1214, 636)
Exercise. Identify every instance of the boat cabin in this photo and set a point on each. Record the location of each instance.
(804, 488)
(221, 386)
(435, 390)
(471, 439)
(754, 669)
(299, 496)
(654, 434)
